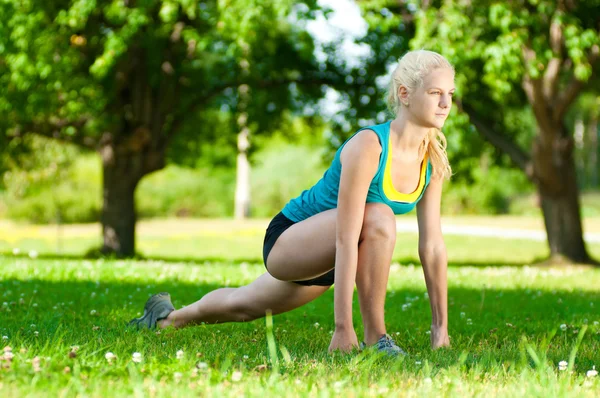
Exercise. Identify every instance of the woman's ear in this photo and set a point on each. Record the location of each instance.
(403, 95)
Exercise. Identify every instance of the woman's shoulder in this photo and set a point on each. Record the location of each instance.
(364, 143)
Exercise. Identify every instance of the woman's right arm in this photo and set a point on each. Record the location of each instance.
(360, 160)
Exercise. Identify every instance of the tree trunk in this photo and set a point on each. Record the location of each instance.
(242, 184)
(118, 206)
(593, 160)
(123, 167)
(557, 186)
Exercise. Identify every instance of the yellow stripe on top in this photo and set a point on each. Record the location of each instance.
(388, 185)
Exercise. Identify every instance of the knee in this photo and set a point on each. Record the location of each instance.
(379, 223)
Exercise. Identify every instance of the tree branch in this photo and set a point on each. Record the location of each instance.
(556, 45)
(498, 140)
(575, 86)
(200, 101)
(534, 88)
(52, 129)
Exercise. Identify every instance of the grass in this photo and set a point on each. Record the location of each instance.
(229, 240)
(505, 326)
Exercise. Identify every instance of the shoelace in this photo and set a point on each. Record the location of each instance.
(386, 342)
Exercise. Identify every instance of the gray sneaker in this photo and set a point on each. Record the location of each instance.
(157, 307)
(387, 346)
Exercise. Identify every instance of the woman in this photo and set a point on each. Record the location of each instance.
(345, 223)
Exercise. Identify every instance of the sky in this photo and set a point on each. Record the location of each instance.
(345, 21)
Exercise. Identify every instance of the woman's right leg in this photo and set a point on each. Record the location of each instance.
(305, 250)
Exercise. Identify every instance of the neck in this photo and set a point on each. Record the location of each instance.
(407, 136)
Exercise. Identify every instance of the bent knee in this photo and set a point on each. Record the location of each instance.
(379, 222)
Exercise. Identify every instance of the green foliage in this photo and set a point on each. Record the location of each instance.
(491, 192)
(46, 180)
(183, 192)
(84, 69)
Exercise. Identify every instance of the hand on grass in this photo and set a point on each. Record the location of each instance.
(439, 337)
(344, 339)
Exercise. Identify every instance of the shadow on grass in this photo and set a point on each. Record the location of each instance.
(489, 328)
(403, 261)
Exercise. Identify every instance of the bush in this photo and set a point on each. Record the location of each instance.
(74, 197)
(281, 172)
(182, 192)
(492, 192)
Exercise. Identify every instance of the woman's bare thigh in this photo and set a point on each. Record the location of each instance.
(306, 249)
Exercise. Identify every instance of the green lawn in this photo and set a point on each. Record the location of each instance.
(505, 325)
(228, 240)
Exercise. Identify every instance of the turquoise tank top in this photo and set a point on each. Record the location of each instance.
(324, 194)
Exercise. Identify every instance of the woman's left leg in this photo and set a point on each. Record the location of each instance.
(375, 249)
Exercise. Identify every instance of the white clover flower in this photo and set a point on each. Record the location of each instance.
(16, 251)
(245, 357)
(8, 355)
(35, 363)
(202, 365)
(236, 376)
(562, 365)
(563, 327)
(592, 373)
(93, 312)
(136, 357)
(427, 380)
(4, 338)
(316, 324)
(33, 254)
(177, 376)
(417, 363)
(110, 357)
(179, 354)
(469, 321)
(462, 314)
(36, 333)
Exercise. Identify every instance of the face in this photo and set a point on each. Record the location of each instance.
(429, 105)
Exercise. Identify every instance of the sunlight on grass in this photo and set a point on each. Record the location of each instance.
(63, 321)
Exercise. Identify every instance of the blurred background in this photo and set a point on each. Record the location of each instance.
(175, 110)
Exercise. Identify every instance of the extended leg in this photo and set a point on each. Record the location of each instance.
(245, 303)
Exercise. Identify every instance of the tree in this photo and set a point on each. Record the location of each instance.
(131, 79)
(532, 55)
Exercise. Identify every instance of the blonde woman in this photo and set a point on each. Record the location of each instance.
(343, 229)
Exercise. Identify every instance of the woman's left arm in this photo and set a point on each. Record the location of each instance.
(432, 252)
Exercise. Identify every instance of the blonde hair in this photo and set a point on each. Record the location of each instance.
(409, 72)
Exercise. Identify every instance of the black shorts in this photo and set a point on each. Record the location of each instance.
(277, 226)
